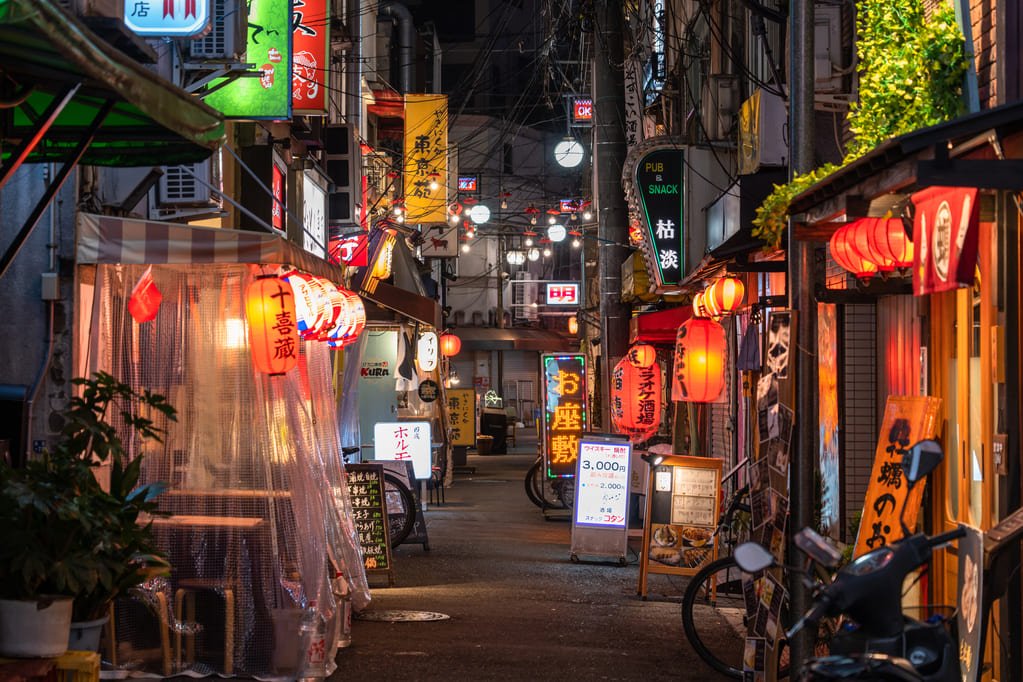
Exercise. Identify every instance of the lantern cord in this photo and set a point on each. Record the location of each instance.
(284, 208)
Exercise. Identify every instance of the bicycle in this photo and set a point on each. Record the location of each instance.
(401, 503)
(546, 492)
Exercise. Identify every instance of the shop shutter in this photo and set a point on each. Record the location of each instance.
(859, 406)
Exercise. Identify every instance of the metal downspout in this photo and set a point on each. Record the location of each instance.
(406, 41)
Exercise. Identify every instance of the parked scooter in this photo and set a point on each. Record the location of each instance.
(881, 643)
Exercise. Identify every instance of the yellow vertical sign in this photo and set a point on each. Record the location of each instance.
(426, 158)
(907, 421)
(462, 408)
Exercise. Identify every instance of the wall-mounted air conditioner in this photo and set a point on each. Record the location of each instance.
(228, 38)
(718, 105)
(183, 185)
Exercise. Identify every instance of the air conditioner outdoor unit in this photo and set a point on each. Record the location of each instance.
(179, 187)
(228, 37)
(719, 103)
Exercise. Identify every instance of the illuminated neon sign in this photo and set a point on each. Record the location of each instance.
(562, 293)
(565, 413)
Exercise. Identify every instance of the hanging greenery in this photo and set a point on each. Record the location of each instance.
(911, 75)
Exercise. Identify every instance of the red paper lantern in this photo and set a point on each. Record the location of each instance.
(636, 398)
(846, 255)
(273, 327)
(889, 240)
(573, 325)
(726, 294)
(642, 355)
(700, 357)
(450, 345)
(351, 319)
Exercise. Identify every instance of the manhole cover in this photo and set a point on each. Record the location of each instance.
(402, 616)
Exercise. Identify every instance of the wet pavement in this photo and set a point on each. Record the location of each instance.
(518, 608)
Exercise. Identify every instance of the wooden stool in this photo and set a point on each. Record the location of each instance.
(184, 608)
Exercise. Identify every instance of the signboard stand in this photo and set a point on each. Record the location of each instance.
(682, 508)
(369, 507)
(565, 407)
(600, 515)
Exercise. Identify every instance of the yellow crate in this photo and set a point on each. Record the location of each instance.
(78, 666)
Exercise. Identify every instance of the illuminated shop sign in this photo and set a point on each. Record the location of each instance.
(582, 110)
(468, 183)
(602, 486)
(562, 293)
(178, 18)
(564, 378)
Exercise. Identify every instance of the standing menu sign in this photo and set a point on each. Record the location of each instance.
(369, 509)
(600, 518)
(682, 507)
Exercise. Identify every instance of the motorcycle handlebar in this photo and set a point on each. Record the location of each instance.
(944, 538)
(813, 616)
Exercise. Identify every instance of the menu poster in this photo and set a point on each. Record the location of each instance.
(602, 484)
(369, 511)
(754, 660)
(683, 514)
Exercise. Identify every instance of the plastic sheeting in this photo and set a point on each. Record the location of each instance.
(260, 516)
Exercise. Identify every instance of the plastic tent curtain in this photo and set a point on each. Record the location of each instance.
(261, 519)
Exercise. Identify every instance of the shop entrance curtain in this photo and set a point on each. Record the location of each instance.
(260, 517)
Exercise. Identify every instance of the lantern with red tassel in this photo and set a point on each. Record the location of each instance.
(642, 355)
(846, 255)
(726, 294)
(700, 354)
(273, 328)
(450, 345)
(636, 399)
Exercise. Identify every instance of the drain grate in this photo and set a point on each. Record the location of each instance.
(401, 616)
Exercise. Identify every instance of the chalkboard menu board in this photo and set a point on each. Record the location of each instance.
(682, 512)
(369, 508)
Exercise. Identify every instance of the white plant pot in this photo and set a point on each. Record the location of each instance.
(85, 635)
(27, 631)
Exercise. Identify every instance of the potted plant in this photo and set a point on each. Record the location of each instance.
(66, 535)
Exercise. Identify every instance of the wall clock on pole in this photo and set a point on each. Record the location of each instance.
(568, 153)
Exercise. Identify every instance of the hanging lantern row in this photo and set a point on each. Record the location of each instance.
(871, 245)
(722, 297)
(450, 345)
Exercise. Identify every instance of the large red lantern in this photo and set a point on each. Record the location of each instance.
(642, 355)
(889, 240)
(450, 345)
(845, 253)
(700, 357)
(273, 328)
(725, 295)
(636, 399)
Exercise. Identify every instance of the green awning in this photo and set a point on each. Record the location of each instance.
(44, 51)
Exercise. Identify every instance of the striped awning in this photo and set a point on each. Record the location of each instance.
(104, 239)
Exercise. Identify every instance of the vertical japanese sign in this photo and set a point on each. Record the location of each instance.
(314, 216)
(369, 512)
(659, 187)
(404, 442)
(310, 73)
(178, 18)
(564, 394)
(277, 188)
(269, 47)
(907, 421)
(426, 158)
(462, 409)
(633, 103)
(827, 384)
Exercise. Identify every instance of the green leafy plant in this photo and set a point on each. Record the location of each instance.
(64, 533)
(911, 74)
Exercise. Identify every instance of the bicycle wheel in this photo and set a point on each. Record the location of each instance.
(714, 614)
(401, 508)
(566, 492)
(534, 483)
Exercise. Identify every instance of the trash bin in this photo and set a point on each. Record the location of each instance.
(484, 444)
(494, 422)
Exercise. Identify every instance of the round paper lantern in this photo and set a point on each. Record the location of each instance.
(273, 328)
(350, 322)
(311, 308)
(889, 240)
(859, 240)
(450, 345)
(726, 294)
(636, 399)
(642, 355)
(700, 357)
(573, 325)
(699, 310)
(846, 255)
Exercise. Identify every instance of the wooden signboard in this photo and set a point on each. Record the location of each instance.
(907, 421)
(682, 507)
(369, 507)
(462, 408)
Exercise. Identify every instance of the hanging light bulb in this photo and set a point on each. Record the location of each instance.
(587, 215)
(532, 220)
(465, 247)
(552, 220)
(504, 204)
(576, 243)
(434, 184)
(546, 253)
(529, 241)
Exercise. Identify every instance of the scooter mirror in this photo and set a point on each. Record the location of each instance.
(922, 459)
(753, 558)
(817, 548)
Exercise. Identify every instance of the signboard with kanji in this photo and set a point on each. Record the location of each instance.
(369, 512)
(565, 411)
(907, 421)
(404, 442)
(462, 409)
(426, 159)
(659, 187)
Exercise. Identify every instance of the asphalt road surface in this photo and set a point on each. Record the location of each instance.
(518, 608)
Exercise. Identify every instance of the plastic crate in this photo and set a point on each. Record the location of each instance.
(78, 666)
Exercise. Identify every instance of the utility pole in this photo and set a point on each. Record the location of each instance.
(801, 300)
(613, 215)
